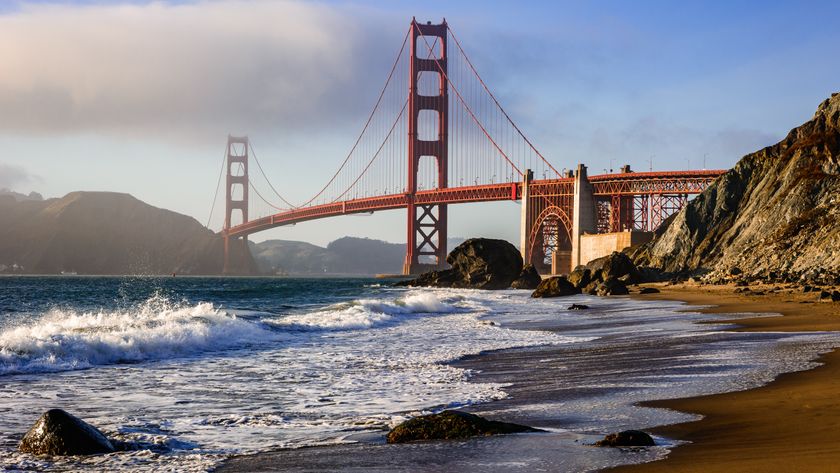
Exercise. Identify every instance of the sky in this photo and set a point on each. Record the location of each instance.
(139, 96)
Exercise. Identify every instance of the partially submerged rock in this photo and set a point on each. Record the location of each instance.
(58, 433)
(627, 438)
(557, 286)
(451, 425)
(478, 263)
(577, 307)
(529, 278)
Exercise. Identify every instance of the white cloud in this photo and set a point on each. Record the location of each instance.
(181, 71)
(12, 176)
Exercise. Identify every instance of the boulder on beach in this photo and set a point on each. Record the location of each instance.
(649, 290)
(627, 438)
(528, 279)
(614, 266)
(580, 277)
(58, 433)
(451, 425)
(612, 287)
(557, 286)
(478, 263)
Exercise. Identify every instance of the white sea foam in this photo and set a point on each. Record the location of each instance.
(366, 313)
(65, 339)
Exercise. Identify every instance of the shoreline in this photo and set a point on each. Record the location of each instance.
(790, 421)
(374, 456)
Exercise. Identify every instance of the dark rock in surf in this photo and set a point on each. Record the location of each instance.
(528, 279)
(577, 307)
(478, 263)
(627, 438)
(58, 433)
(451, 425)
(557, 286)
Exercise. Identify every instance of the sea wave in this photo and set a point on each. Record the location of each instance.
(66, 339)
(366, 313)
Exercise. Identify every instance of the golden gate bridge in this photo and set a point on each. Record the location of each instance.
(443, 140)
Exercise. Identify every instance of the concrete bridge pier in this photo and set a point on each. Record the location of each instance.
(584, 214)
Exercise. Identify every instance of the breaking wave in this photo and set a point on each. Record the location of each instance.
(62, 339)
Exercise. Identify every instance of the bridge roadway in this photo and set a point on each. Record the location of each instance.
(604, 185)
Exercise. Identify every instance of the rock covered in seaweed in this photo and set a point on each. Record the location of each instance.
(58, 433)
(627, 438)
(449, 425)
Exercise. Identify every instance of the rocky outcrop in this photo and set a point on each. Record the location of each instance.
(58, 433)
(557, 286)
(451, 425)
(478, 263)
(777, 211)
(627, 438)
(528, 279)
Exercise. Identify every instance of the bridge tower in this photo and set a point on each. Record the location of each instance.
(237, 175)
(427, 223)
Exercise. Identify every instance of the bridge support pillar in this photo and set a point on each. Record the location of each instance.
(584, 218)
(236, 195)
(526, 217)
(427, 223)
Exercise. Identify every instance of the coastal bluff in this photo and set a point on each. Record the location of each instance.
(777, 211)
(108, 233)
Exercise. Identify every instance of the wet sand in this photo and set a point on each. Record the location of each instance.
(788, 425)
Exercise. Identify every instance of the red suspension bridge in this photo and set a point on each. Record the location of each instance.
(448, 141)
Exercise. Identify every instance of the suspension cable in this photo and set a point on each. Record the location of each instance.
(467, 107)
(367, 123)
(254, 154)
(478, 76)
(218, 185)
(375, 155)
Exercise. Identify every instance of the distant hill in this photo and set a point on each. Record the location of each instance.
(107, 233)
(20, 197)
(348, 255)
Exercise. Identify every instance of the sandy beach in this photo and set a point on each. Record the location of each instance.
(788, 425)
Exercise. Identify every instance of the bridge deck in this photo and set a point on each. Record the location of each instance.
(635, 183)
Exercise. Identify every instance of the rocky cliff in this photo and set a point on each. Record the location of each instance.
(777, 210)
(108, 233)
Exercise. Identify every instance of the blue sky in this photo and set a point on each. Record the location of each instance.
(139, 96)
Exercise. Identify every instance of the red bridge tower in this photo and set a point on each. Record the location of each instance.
(237, 176)
(427, 223)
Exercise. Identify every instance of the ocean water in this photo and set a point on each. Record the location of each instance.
(189, 371)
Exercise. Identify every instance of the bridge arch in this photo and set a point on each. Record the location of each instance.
(551, 232)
